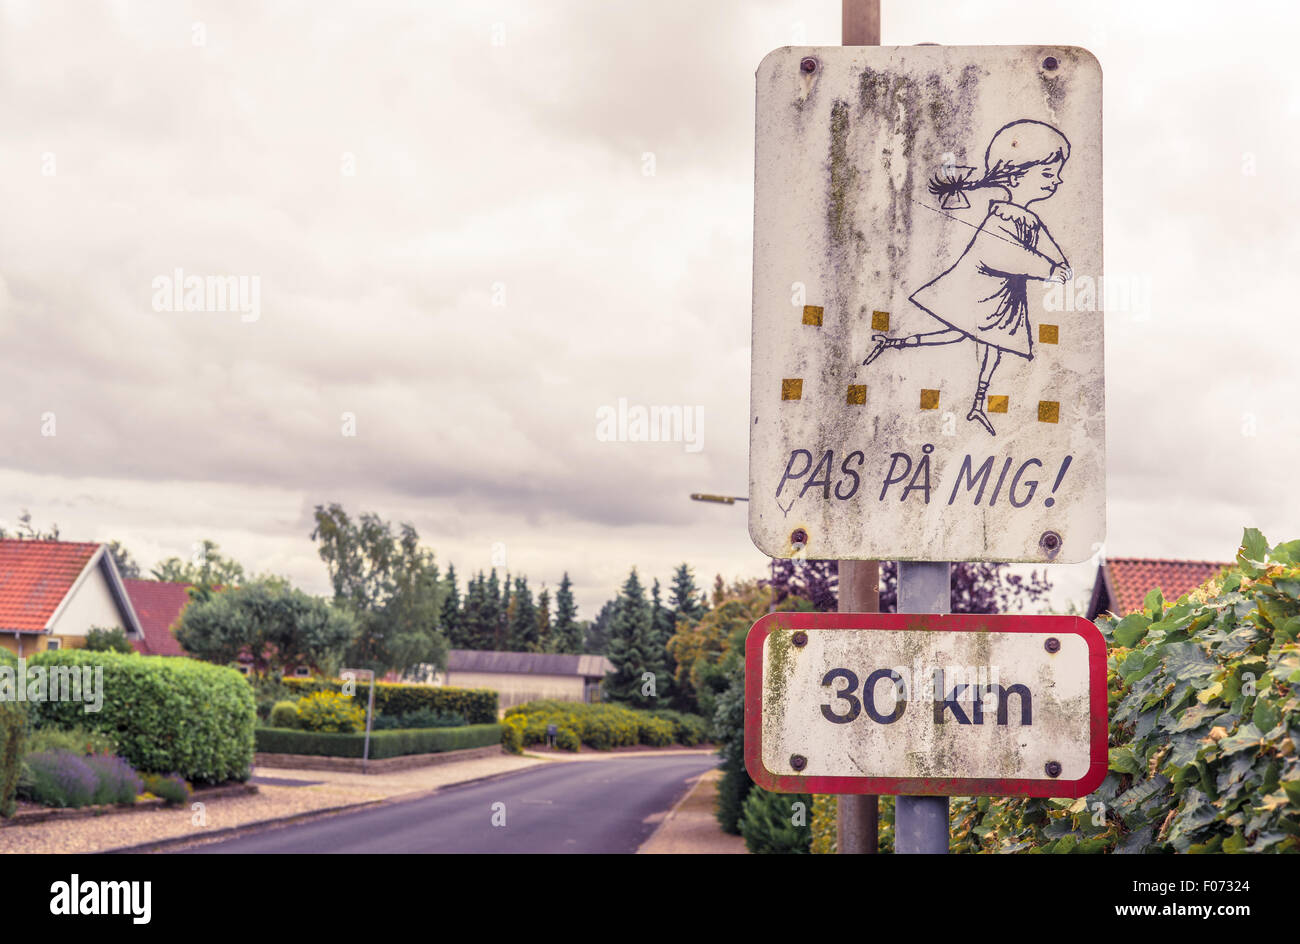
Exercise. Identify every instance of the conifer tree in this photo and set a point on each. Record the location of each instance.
(566, 633)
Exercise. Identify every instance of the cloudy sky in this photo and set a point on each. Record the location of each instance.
(462, 258)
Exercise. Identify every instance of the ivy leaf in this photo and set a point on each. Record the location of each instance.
(1131, 629)
(1254, 546)
(1122, 759)
(1266, 716)
(1154, 604)
(1288, 553)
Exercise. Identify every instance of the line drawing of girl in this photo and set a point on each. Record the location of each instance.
(983, 296)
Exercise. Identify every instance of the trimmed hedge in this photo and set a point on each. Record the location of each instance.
(167, 715)
(383, 744)
(601, 726)
(475, 705)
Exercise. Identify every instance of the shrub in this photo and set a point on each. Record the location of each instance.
(166, 714)
(475, 705)
(566, 739)
(604, 726)
(74, 740)
(284, 715)
(108, 640)
(61, 778)
(382, 743)
(171, 788)
(773, 823)
(656, 732)
(13, 729)
(1204, 723)
(269, 691)
(330, 713)
(512, 734)
(428, 718)
(688, 729)
(117, 781)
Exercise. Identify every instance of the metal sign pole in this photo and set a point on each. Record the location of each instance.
(857, 815)
(921, 822)
(370, 714)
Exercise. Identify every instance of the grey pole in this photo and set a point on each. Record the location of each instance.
(370, 713)
(921, 822)
(857, 814)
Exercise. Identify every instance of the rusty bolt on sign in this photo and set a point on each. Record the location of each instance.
(800, 638)
(1053, 768)
(1052, 644)
(1050, 63)
(798, 537)
(1050, 541)
(808, 65)
(798, 761)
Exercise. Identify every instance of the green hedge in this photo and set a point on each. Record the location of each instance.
(167, 715)
(396, 743)
(602, 726)
(476, 705)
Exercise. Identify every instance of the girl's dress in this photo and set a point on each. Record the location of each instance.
(984, 294)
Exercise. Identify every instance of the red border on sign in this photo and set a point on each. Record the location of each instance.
(928, 786)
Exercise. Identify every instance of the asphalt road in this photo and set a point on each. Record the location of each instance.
(581, 806)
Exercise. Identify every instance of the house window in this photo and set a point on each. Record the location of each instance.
(53, 644)
(301, 672)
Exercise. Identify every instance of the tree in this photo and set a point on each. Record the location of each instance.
(126, 564)
(566, 634)
(27, 532)
(206, 569)
(976, 587)
(685, 599)
(100, 639)
(277, 626)
(390, 583)
(453, 620)
(523, 619)
(596, 637)
(493, 613)
(661, 630)
(631, 648)
(544, 641)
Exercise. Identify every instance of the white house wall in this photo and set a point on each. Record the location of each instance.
(91, 604)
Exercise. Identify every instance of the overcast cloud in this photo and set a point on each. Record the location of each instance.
(497, 267)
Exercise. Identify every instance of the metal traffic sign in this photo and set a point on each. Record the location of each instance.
(926, 705)
(927, 377)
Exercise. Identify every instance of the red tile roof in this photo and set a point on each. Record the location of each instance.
(35, 576)
(1129, 579)
(158, 605)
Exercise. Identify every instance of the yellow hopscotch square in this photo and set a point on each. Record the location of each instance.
(880, 321)
(1049, 334)
(792, 389)
(857, 394)
(1049, 411)
(812, 315)
(929, 399)
(998, 404)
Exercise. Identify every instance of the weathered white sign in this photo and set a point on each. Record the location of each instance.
(927, 377)
(926, 705)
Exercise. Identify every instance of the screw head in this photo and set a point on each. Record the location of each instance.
(799, 538)
(1053, 768)
(1052, 644)
(808, 65)
(798, 761)
(800, 638)
(1050, 63)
